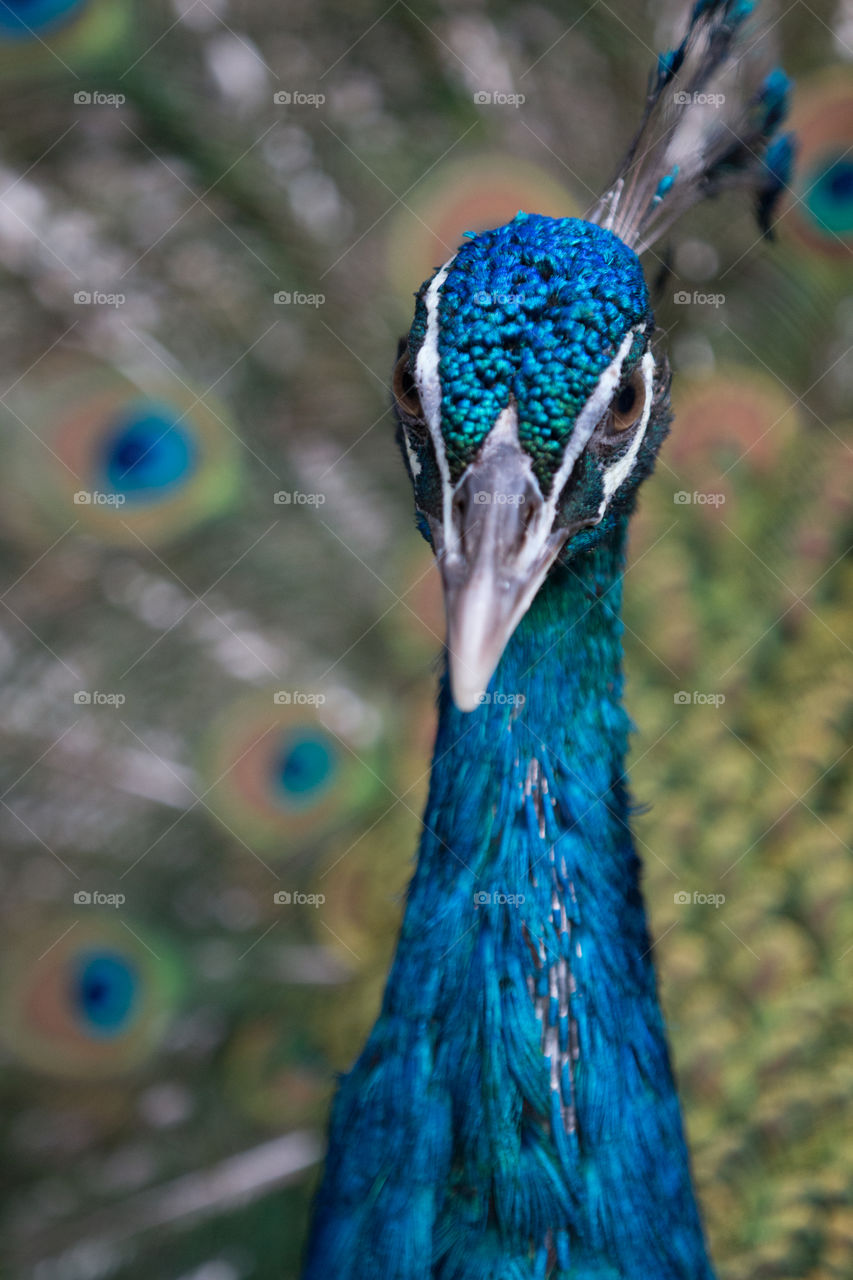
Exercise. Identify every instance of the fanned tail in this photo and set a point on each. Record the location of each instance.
(697, 138)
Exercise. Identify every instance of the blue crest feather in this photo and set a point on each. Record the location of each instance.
(701, 132)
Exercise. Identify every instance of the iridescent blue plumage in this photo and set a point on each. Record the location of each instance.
(459, 1145)
(25, 19)
(513, 1115)
(534, 309)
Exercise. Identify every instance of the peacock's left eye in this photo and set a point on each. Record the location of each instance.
(405, 390)
(627, 406)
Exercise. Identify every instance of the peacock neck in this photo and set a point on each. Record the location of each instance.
(513, 1112)
(528, 790)
(554, 707)
(525, 939)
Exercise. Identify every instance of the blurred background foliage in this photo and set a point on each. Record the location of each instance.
(219, 628)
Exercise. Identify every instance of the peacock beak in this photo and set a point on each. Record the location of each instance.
(494, 548)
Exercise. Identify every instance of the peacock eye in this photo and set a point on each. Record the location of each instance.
(405, 390)
(628, 404)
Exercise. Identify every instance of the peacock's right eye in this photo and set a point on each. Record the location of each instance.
(405, 390)
(627, 406)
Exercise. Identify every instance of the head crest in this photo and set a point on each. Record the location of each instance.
(700, 133)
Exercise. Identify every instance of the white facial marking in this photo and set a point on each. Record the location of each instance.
(429, 387)
(622, 468)
(414, 461)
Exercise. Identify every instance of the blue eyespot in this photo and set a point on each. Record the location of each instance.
(829, 198)
(24, 19)
(305, 769)
(148, 452)
(104, 988)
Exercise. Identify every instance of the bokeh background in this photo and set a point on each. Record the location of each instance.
(219, 628)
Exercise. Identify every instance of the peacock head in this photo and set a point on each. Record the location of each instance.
(530, 407)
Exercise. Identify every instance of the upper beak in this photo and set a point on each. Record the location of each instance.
(494, 550)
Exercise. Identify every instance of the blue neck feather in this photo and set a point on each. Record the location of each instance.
(513, 1114)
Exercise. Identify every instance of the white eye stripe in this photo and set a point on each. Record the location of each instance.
(618, 472)
(590, 416)
(426, 362)
(429, 387)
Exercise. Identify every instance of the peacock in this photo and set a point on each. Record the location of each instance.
(513, 1114)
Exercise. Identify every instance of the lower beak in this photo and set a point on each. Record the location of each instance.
(493, 560)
